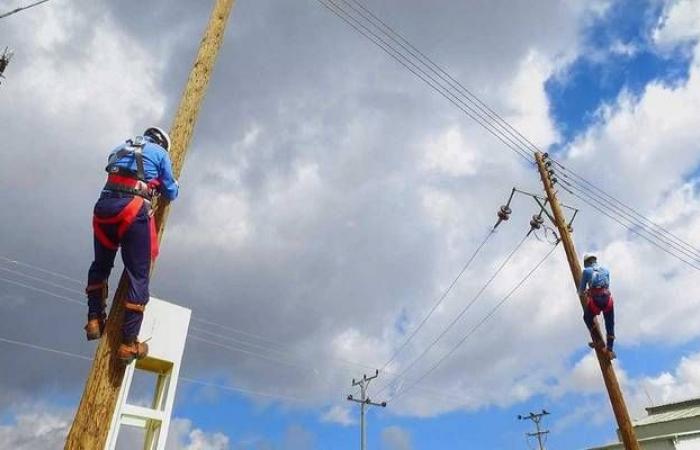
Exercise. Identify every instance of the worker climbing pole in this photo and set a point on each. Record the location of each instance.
(5, 61)
(604, 357)
(93, 417)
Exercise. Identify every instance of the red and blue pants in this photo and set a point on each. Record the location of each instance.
(122, 220)
(601, 300)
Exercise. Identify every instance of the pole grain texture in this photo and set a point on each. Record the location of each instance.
(93, 417)
(612, 385)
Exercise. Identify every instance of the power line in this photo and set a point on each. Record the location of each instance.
(476, 327)
(41, 280)
(632, 224)
(441, 394)
(624, 206)
(654, 230)
(22, 8)
(439, 300)
(628, 227)
(42, 270)
(368, 24)
(63, 276)
(200, 338)
(466, 108)
(44, 291)
(464, 310)
(182, 378)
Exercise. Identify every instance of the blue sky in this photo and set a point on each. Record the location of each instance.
(330, 196)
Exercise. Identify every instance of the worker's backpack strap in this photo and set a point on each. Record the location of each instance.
(132, 147)
(134, 307)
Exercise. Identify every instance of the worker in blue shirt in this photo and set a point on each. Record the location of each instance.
(595, 286)
(137, 171)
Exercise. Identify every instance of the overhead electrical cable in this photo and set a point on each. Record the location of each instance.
(456, 319)
(632, 229)
(584, 184)
(22, 8)
(439, 301)
(197, 330)
(181, 378)
(476, 327)
(367, 23)
(651, 233)
(424, 76)
(42, 270)
(268, 357)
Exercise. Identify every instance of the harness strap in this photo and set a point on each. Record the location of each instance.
(130, 185)
(132, 147)
(134, 307)
(125, 218)
(138, 154)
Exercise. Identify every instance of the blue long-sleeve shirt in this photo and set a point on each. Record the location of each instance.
(594, 276)
(156, 165)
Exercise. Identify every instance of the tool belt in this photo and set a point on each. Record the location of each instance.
(126, 182)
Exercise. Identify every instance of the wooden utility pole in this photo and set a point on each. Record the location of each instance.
(94, 416)
(614, 392)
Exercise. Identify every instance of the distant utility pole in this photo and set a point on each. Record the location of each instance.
(557, 217)
(536, 418)
(97, 405)
(364, 401)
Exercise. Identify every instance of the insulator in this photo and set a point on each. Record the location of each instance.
(536, 222)
(548, 163)
(504, 213)
(554, 180)
(545, 156)
(570, 228)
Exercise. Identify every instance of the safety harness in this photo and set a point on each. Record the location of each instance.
(126, 181)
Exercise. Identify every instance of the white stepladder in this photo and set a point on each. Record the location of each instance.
(164, 328)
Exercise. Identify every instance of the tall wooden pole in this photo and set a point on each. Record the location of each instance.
(94, 416)
(614, 392)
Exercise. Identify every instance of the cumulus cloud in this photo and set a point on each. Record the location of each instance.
(35, 426)
(342, 415)
(183, 436)
(41, 426)
(679, 23)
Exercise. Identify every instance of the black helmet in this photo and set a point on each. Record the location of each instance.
(160, 136)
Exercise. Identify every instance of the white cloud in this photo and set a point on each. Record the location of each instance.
(396, 438)
(682, 383)
(528, 102)
(35, 426)
(40, 426)
(450, 153)
(342, 415)
(680, 23)
(182, 436)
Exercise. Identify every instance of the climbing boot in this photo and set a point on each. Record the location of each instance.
(95, 327)
(129, 351)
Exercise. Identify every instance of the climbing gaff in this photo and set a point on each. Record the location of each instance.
(504, 211)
